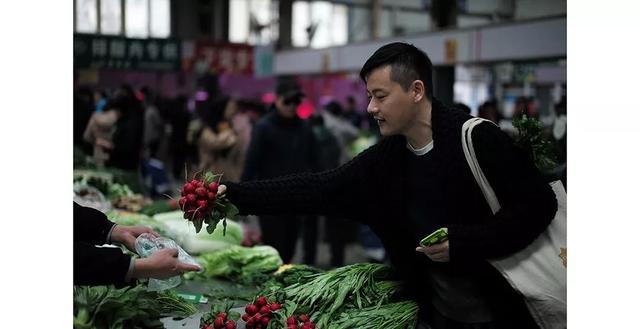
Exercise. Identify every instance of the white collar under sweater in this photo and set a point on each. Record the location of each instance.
(422, 150)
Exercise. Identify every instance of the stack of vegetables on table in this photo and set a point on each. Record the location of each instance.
(113, 187)
(354, 296)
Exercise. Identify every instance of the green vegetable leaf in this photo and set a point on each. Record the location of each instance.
(231, 211)
(209, 177)
(532, 139)
(211, 227)
(198, 224)
(233, 315)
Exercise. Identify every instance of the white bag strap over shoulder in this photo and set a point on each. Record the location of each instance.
(538, 271)
(470, 155)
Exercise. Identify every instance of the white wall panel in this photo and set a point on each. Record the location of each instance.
(517, 41)
(536, 39)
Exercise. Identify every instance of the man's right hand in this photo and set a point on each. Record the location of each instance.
(163, 264)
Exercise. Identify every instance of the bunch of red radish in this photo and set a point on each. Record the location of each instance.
(198, 199)
(301, 322)
(221, 322)
(259, 314)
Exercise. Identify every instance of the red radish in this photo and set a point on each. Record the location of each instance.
(230, 325)
(304, 318)
(265, 310)
(222, 315)
(261, 301)
(218, 323)
(251, 322)
(245, 317)
(189, 188)
(292, 320)
(265, 321)
(200, 202)
(292, 326)
(275, 306)
(201, 191)
(251, 309)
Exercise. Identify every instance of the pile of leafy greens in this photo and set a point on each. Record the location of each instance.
(107, 307)
(248, 265)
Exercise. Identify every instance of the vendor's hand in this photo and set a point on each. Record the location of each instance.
(127, 235)
(437, 252)
(163, 264)
(222, 189)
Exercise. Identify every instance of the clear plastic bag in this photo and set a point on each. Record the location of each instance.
(147, 244)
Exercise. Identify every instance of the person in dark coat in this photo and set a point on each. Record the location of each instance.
(93, 265)
(416, 180)
(128, 136)
(281, 144)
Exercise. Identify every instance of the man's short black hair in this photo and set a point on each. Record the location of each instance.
(408, 64)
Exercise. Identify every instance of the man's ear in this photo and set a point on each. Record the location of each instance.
(417, 87)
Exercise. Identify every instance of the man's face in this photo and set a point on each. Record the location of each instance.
(287, 110)
(393, 108)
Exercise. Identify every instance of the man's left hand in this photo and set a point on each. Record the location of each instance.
(127, 235)
(437, 252)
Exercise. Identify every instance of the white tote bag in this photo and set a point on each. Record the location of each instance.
(539, 271)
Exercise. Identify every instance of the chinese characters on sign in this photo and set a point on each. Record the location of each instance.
(96, 52)
(220, 58)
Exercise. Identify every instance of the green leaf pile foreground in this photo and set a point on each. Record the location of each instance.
(107, 307)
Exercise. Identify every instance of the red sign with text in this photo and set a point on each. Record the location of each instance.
(220, 58)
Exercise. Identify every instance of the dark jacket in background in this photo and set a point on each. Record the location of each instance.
(279, 146)
(370, 189)
(128, 137)
(93, 265)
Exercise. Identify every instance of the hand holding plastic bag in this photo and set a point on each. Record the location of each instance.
(147, 245)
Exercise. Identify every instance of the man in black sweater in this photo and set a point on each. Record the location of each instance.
(93, 265)
(416, 180)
